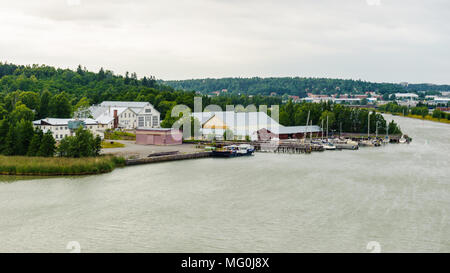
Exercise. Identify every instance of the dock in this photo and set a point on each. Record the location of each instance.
(168, 157)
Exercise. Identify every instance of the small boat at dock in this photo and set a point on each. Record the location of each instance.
(233, 150)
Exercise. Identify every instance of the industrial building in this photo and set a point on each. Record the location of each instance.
(158, 136)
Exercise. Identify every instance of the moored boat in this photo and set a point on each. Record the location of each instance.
(233, 150)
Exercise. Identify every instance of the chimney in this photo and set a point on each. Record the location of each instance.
(116, 119)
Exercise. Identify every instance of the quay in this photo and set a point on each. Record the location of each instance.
(168, 157)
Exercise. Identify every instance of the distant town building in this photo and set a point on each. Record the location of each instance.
(406, 96)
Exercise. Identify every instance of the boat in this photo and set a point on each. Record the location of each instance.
(346, 144)
(227, 151)
(403, 140)
(366, 143)
(329, 146)
(386, 140)
(245, 149)
(233, 150)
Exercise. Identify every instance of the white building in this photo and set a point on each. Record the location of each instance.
(406, 96)
(440, 101)
(243, 124)
(130, 114)
(61, 128)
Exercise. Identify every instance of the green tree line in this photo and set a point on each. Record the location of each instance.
(297, 86)
(340, 118)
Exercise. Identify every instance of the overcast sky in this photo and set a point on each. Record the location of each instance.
(376, 40)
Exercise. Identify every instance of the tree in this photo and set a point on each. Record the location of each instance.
(331, 119)
(35, 143)
(82, 104)
(97, 145)
(4, 129)
(60, 106)
(24, 130)
(101, 74)
(3, 112)
(83, 144)
(47, 148)
(30, 99)
(44, 104)
(21, 112)
(228, 135)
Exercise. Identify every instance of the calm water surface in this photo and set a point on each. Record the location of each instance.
(397, 195)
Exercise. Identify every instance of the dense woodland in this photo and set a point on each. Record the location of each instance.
(298, 86)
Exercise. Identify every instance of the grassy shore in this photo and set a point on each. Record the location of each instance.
(428, 117)
(112, 144)
(52, 166)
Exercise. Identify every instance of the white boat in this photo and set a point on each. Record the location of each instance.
(366, 143)
(245, 149)
(329, 146)
(402, 140)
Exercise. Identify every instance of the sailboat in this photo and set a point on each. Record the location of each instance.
(403, 140)
(386, 139)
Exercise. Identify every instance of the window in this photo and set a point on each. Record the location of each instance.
(56, 129)
(155, 121)
(66, 127)
(148, 120)
(56, 136)
(61, 136)
(62, 128)
(140, 121)
(148, 110)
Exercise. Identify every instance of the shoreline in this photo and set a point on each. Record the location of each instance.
(57, 166)
(427, 118)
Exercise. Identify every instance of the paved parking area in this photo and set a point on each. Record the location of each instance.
(133, 150)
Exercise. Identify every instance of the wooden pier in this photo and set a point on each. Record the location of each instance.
(287, 148)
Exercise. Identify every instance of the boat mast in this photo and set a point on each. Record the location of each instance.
(368, 125)
(376, 130)
(307, 122)
(322, 130)
(310, 135)
(327, 127)
(387, 129)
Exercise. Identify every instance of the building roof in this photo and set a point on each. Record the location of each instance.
(295, 129)
(129, 104)
(62, 121)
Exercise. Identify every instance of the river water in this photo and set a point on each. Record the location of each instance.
(337, 201)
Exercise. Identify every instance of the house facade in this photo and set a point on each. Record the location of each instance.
(128, 115)
(61, 128)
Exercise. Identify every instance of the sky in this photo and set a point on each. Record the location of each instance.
(373, 40)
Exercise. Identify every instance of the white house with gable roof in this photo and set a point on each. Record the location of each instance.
(130, 114)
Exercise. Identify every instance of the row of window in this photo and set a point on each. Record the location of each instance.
(60, 136)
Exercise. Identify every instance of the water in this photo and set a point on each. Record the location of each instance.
(337, 201)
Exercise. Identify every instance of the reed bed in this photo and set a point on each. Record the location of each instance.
(49, 166)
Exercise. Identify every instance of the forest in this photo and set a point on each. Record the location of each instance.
(297, 86)
(58, 93)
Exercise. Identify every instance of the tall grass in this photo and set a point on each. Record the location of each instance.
(22, 165)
